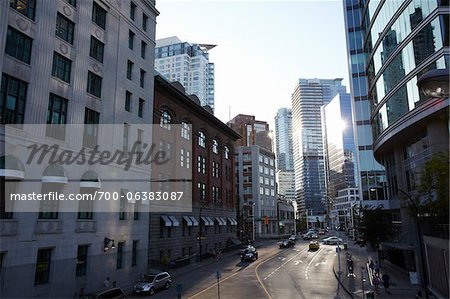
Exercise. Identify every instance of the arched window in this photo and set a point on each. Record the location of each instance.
(201, 139)
(185, 131)
(226, 152)
(165, 120)
(215, 146)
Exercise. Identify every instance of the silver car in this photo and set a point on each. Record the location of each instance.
(152, 282)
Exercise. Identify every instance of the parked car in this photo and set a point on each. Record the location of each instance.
(332, 240)
(249, 254)
(114, 293)
(314, 245)
(152, 282)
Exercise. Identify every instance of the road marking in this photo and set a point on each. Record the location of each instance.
(310, 262)
(263, 262)
(298, 262)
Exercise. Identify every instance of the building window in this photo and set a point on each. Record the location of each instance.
(144, 21)
(61, 67)
(226, 152)
(119, 260)
(25, 7)
(99, 15)
(56, 115)
(136, 208)
(91, 121)
(64, 28)
(141, 107)
(215, 147)
(94, 85)
(123, 205)
(143, 49)
(201, 191)
(201, 139)
(134, 253)
(72, 2)
(130, 39)
(165, 120)
(126, 133)
(82, 255)
(142, 79)
(128, 101)
(132, 10)
(86, 207)
(42, 274)
(12, 102)
(97, 49)
(18, 45)
(129, 70)
(185, 131)
(48, 209)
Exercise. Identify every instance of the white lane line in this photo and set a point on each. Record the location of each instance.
(310, 262)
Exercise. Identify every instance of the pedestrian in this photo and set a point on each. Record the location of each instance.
(106, 282)
(377, 268)
(386, 281)
(376, 282)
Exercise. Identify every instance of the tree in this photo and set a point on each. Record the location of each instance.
(435, 188)
(374, 227)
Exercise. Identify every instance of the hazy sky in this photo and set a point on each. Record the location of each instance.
(263, 47)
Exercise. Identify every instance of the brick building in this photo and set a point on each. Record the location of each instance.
(174, 236)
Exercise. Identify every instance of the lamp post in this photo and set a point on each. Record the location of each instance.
(200, 236)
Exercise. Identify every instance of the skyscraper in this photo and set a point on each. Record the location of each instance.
(391, 45)
(309, 95)
(188, 64)
(284, 153)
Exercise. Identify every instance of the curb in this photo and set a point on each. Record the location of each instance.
(340, 282)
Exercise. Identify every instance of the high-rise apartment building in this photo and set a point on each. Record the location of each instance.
(309, 95)
(67, 63)
(391, 44)
(284, 153)
(255, 175)
(283, 139)
(188, 64)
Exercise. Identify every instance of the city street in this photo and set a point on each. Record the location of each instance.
(278, 273)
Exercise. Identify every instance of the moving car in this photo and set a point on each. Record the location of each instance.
(332, 240)
(314, 245)
(249, 254)
(310, 235)
(114, 293)
(152, 282)
(287, 243)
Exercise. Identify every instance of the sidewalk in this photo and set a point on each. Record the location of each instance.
(359, 284)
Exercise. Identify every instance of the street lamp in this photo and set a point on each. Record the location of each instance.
(200, 235)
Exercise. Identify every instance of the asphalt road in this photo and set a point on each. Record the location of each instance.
(278, 273)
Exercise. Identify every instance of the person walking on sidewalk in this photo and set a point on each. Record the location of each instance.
(376, 282)
(386, 281)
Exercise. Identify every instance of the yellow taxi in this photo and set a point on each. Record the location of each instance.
(314, 245)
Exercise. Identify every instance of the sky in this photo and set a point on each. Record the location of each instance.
(263, 47)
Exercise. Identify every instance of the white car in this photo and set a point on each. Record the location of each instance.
(332, 240)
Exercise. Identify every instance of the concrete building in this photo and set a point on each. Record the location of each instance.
(286, 216)
(309, 95)
(403, 41)
(255, 175)
(188, 64)
(68, 63)
(211, 224)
